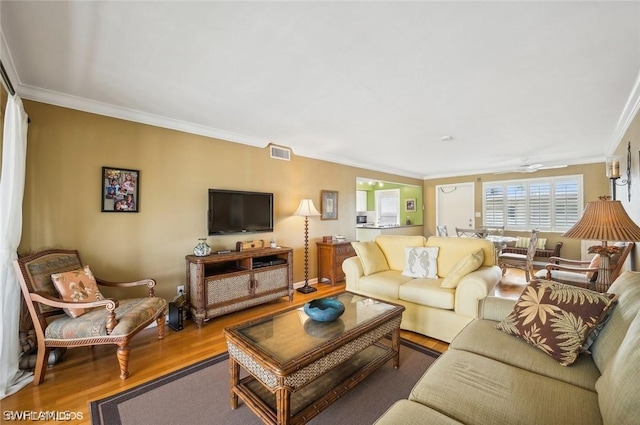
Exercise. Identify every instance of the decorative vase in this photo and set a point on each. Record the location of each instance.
(202, 249)
(324, 309)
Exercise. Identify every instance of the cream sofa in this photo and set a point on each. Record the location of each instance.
(430, 309)
(488, 377)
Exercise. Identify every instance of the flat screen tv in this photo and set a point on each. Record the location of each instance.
(234, 211)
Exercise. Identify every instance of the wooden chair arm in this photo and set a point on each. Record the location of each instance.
(567, 261)
(109, 303)
(150, 283)
(44, 298)
(550, 267)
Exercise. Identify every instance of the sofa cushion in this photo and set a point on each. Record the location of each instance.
(421, 262)
(428, 292)
(481, 337)
(384, 284)
(627, 289)
(556, 318)
(619, 386)
(477, 390)
(523, 242)
(463, 267)
(372, 258)
(77, 286)
(393, 246)
(453, 249)
(407, 412)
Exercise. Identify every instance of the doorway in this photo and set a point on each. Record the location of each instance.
(455, 206)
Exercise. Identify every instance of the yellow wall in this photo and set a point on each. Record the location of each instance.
(594, 181)
(633, 208)
(65, 155)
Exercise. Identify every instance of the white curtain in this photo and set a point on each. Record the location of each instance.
(14, 156)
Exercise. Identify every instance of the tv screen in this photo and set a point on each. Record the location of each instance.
(233, 211)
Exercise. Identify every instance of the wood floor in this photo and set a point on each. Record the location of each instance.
(86, 374)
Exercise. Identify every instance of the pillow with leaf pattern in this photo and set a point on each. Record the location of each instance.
(556, 318)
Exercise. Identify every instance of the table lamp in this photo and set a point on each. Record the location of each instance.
(306, 209)
(605, 220)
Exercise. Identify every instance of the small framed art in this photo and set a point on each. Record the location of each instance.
(329, 205)
(410, 205)
(120, 190)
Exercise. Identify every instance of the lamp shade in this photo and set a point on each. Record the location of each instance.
(605, 220)
(306, 209)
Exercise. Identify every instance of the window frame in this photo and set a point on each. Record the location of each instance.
(514, 199)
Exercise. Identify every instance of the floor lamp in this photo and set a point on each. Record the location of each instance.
(306, 209)
(605, 220)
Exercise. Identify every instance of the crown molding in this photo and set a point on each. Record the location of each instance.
(629, 112)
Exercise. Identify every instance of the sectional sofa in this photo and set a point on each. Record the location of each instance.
(489, 376)
(461, 271)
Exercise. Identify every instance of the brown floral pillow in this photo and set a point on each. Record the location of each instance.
(556, 318)
(77, 286)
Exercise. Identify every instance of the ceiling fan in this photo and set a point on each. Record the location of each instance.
(531, 168)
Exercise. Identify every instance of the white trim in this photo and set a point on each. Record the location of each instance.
(629, 112)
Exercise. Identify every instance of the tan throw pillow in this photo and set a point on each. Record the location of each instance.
(463, 267)
(522, 242)
(372, 258)
(421, 262)
(77, 286)
(595, 262)
(556, 318)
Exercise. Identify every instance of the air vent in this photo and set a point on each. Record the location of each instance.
(278, 152)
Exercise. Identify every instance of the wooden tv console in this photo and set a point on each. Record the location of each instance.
(221, 283)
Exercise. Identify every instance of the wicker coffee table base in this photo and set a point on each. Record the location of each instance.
(296, 397)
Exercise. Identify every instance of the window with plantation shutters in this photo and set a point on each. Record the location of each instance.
(548, 204)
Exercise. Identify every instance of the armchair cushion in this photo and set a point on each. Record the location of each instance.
(77, 286)
(130, 315)
(556, 318)
(595, 263)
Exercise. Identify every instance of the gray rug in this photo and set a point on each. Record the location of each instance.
(199, 394)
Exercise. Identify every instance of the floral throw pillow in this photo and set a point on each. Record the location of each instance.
(77, 286)
(556, 318)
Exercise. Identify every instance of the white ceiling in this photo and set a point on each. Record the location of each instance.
(371, 84)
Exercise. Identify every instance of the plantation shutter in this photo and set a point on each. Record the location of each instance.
(548, 204)
(540, 205)
(494, 206)
(568, 204)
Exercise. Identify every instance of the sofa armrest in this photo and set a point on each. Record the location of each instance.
(495, 308)
(353, 271)
(474, 287)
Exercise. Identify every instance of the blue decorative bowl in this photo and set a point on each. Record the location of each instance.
(324, 309)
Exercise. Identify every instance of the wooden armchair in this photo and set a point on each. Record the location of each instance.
(520, 261)
(104, 321)
(583, 273)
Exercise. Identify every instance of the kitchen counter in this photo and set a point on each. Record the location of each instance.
(368, 232)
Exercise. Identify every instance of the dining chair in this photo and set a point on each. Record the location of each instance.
(68, 310)
(442, 230)
(468, 232)
(521, 261)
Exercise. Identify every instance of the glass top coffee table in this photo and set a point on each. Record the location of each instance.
(296, 367)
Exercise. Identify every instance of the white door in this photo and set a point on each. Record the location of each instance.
(455, 206)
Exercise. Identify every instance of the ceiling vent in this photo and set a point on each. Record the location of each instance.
(278, 152)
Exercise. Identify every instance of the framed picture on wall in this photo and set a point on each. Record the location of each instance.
(120, 190)
(410, 205)
(329, 205)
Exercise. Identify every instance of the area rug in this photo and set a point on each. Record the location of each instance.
(199, 394)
